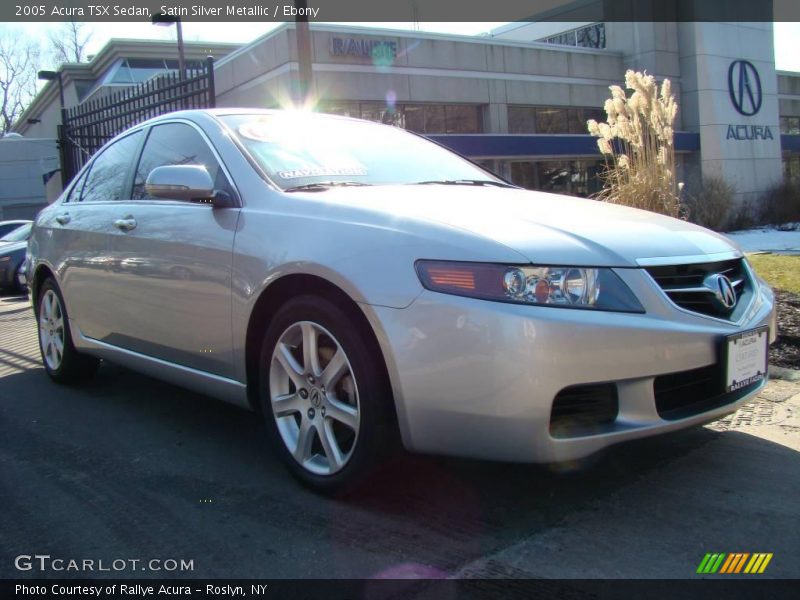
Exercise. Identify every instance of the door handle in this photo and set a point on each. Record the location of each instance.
(125, 224)
(63, 219)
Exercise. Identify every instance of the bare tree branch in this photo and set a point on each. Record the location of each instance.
(19, 60)
(68, 43)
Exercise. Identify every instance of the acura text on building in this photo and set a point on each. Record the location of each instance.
(744, 89)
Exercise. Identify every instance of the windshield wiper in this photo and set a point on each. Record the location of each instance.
(323, 185)
(465, 182)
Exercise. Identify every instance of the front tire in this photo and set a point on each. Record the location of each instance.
(324, 397)
(63, 363)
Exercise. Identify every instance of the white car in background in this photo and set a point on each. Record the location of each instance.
(357, 284)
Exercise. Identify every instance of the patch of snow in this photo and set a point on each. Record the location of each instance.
(769, 239)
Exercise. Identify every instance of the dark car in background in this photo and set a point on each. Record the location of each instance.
(7, 227)
(13, 246)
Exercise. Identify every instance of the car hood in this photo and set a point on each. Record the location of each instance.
(544, 228)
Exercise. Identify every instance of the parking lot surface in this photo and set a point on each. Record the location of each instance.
(127, 467)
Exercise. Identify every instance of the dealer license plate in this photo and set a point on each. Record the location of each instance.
(746, 358)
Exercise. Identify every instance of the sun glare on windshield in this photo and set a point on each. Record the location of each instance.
(296, 148)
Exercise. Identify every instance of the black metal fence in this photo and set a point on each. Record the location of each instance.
(85, 128)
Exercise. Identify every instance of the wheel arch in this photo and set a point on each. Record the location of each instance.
(286, 288)
(41, 273)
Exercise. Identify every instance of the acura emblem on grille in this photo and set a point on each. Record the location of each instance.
(722, 288)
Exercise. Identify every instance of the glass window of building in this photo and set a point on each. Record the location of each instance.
(435, 119)
(791, 167)
(415, 118)
(790, 125)
(137, 70)
(523, 174)
(463, 118)
(573, 177)
(345, 109)
(521, 119)
(419, 118)
(381, 113)
(579, 116)
(551, 119)
(590, 36)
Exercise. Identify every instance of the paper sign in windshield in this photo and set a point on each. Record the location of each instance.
(322, 172)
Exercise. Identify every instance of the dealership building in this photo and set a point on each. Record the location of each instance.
(517, 99)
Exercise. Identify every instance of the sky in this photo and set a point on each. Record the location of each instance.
(787, 35)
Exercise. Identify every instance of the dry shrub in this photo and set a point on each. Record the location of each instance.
(709, 203)
(780, 205)
(743, 216)
(637, 141)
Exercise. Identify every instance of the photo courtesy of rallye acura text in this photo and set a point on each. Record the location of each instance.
(363, 288)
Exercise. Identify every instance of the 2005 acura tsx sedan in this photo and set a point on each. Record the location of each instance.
(361, 286)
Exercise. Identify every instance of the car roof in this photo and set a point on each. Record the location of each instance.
(16, 221)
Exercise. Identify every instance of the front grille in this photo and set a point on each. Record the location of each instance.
(584, 409)
(683, 284)
(687, 393)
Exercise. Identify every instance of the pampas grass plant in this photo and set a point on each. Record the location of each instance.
(637, 142)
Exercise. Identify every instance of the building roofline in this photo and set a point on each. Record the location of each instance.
(114, 49)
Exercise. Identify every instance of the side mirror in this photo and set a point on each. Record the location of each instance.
(185, 182)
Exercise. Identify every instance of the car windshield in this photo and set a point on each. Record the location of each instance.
(301, 151)
(20, 234)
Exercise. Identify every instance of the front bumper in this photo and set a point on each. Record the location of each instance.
(477, 379)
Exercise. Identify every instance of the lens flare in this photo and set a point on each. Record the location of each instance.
(391, 100)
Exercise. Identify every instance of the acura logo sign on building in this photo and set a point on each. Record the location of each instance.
(744, 89)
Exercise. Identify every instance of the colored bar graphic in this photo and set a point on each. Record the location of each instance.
(754, 563)
(741, 562)
(734, 563)
(765, 563)
(715, 566)
(711, 563)
(703, 563)
(731, 563)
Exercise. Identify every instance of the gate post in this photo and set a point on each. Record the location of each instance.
(65, 156)
(210, 89)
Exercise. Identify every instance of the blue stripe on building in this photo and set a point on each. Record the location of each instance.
(790, 143)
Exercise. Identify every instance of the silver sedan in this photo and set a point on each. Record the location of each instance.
(363, 288)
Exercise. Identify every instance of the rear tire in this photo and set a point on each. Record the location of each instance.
(63, 363)
(325, 400)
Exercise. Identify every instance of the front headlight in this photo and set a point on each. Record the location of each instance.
(565, 287)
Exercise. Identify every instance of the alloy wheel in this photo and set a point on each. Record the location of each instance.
(314, 398)
(51, 329)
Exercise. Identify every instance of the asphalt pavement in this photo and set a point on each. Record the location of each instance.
(130, 468)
